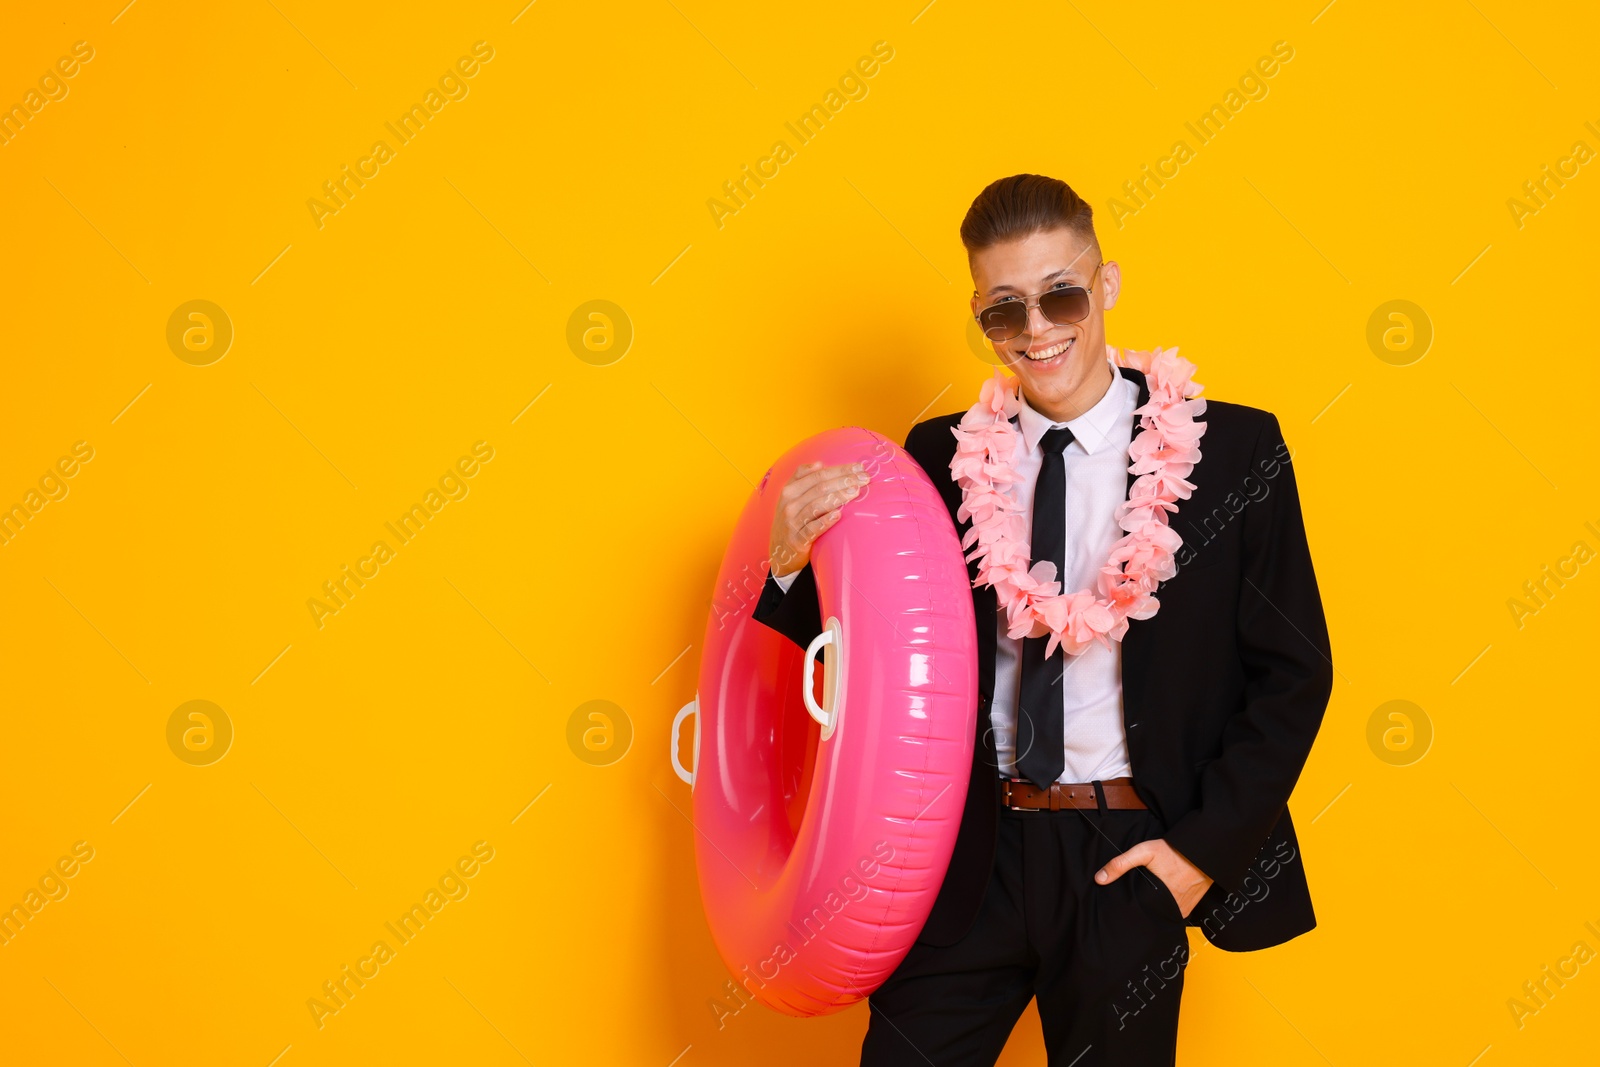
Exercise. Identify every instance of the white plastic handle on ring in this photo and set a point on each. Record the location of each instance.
(828, 716)
(691, 708)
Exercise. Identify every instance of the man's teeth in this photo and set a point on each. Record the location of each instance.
(1051, 352)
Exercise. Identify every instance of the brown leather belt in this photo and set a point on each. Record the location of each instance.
(1018, 793)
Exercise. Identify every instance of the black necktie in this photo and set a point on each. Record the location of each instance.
(1039, 730)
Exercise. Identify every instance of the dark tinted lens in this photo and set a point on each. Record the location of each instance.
(1065, 306)
(1002, 322)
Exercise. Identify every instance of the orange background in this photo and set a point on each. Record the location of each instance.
(432, 711)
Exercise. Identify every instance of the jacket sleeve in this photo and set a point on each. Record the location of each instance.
(1282, 639)
(796, 614)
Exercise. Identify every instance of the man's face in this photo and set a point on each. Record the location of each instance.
(1059, 365)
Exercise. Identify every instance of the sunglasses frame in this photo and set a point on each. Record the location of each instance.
(1088, 290)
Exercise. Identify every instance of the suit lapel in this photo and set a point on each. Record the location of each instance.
(1144, 398)
(1136, 652)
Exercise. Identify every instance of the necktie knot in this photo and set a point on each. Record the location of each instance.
(1054, 440)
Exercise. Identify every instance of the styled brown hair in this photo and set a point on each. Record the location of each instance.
(1023, 204)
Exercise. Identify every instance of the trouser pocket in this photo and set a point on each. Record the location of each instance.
(1148, 889)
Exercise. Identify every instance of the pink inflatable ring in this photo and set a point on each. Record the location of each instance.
(825, 822)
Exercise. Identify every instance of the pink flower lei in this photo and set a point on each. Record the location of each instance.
(1162, 454)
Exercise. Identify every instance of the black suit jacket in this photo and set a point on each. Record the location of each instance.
(1223, 689)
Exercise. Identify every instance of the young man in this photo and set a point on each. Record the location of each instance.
(1139, 786)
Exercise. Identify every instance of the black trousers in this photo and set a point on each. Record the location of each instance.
(1105, 962)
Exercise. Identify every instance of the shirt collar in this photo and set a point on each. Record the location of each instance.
(1093, 429)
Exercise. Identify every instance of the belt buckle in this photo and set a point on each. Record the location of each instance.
(1006, 798)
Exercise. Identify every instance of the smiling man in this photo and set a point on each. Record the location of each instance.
(1124, 787)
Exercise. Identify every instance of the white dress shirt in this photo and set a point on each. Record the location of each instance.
(1096, 463)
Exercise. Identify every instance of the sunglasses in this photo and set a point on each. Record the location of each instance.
(1063, 306)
